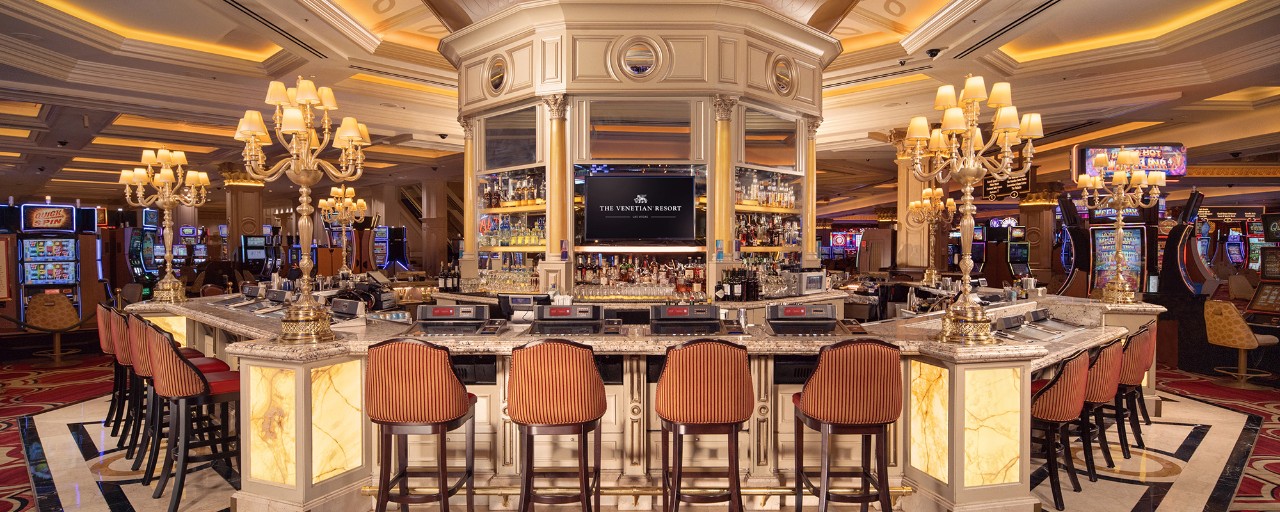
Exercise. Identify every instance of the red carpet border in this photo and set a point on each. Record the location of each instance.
(26, 390)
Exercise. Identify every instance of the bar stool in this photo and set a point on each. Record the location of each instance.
(411, 389)
(1103, 381)
(555, 389)
(126, 416)
(1055, 403)
(856, 389)
(705, 388)
(1225, 327)
(1139, 353)
(185, 388)
(142, 335)
(118, 375)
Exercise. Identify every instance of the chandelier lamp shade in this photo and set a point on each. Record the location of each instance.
(342, 210)
(170, 185)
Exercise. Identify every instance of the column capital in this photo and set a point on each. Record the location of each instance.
(811, 124)
(724, 105)
(467, 127)
(556, 105)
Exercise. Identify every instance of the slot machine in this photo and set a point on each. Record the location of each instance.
(381, 238)
(1263, 312)
(1019, 252)
(253, 252)
(1075, 248)
(979, 248)
(49, 253)
(222, 235)
(199, 254)
(1134, 249)
(1256, 239)
(398, 248)
(953, 251)
(1235, 247)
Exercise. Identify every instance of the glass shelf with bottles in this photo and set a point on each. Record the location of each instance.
(504, 273)
(518, 191)
(639, 277)
(760, 191)
(512, 232)
(767, 232)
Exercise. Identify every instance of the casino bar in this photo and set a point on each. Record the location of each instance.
(762, 255)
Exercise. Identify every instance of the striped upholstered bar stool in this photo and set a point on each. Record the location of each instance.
(1055, 403)
(1139, 353)
(856, 389)
(411, 389)
(705, 388)
(187, 390)
(119, 376)
(554, 388)
(142, 335)
(1104, 380)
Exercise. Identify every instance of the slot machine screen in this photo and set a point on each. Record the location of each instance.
(255, 241)
(1019, 252)
(979, 252)
(1235, 252)
(1017, 233)
(49, 249)
(1270, 270)
(201, 251)
(49, 273)
(979, 234)
(180, 251)
(1266, 299)
(256, 254)
(159, 251)
(1255, 229)
(187, 231)
(1104, 243)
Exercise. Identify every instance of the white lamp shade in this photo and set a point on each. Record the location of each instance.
(918, 130)
(126, 177)
(149, 157)
(1008, 139)
(1030, 127)
(350, 192)
(179, 157)
(335, 192)
(1007, 119)
(946, 97)
(243, 130)
(140, 176)
(953, 121)
(341, 143)
(327, 101)
(191, 179)
(204, 179)
(978, 141)
(292, 93)
(277, 94)
(254, 120)
(975, 89)
(364, 135)
(348, 129)
(292, 121)
(164, 156)
(164, 176)
(306, 94)
(937, 141)
(1127, 157)
(951, 204)
(1001, 95)
(1159, 179)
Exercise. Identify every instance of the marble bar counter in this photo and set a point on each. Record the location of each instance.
(306, 444)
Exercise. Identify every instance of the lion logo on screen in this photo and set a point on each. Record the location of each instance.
(641, 199)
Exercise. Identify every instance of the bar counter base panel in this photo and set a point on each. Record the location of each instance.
(345, 499)
(922, 501)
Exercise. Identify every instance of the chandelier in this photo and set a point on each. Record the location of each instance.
(301, 124)
(930, 211)
(958, 151)
(1130, 187)
(171, 185)
(342, 209)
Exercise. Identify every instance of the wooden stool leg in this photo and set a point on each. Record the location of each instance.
(666, 469)
(442, 469)
(866, 470)
(582, 470)
(1050, 455)
(402, 463)
(598, 449)
(1099, 421)
(183, 413)
(526, 470)
(677, 470)
(1065, 438)
(158, 426)
(167, 468)
(471, 464)
(1133, 397)
(882, 469)
(145, 442)
(118, 417)
(1086, 440)
(799, 427)
(735, 485)
(1142, 407)
(384, 467)
(824, 490)
(1120, 420)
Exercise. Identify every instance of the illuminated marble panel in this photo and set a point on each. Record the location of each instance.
(337, 420)
(929, 406)
(992, 426)
(175, 325)
(273, 430)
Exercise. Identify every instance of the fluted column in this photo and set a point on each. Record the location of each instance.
(470, 226)
(722, 176)
(809, 219)
(554, 270)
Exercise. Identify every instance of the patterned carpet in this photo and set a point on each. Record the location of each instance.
(1260, 487)
(26, 390)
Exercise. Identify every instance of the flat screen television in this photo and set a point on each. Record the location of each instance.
(381, 233)
(255, 241)
(180, 251)
(1266, 298)
(997, 234)
(47, 218)
(150, 218)
(1169, 157)
(979, 253)
(639, 207)
(1104, 242)
(1254, 228)
(979, 234)
(1017, 233)
(187, 231)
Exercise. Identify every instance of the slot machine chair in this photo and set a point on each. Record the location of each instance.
(52, 313)
(1226, 328)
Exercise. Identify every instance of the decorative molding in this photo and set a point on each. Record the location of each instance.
(468, 128)
(1233, 171)
(939, 23)
(724, 106)
(557, 105)
(811, 124)
(337, 18)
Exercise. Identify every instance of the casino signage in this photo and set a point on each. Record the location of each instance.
(48, 218)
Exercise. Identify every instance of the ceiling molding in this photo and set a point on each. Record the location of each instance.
(939, 24)
(877, 55)
(439, 67)
(35, 59)
(337, 18)
(1004, 30)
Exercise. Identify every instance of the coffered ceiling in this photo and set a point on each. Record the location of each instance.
(85, 84)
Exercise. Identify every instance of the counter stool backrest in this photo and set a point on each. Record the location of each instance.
(120, 337)
(1062, 399)
(705, 381)
(1139, 353)
(554, 382)
(1104, 373)
(412, 381)
(857, 382)
(172, 375)
(1225, 327)
(104, 330)
(140, 333)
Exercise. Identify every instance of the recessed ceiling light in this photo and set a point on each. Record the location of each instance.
(891, 105)
(389, 105)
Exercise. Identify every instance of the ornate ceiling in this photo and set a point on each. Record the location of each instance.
(85, 82)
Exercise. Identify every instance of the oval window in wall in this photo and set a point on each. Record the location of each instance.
(639, 59)
(782, 75)
(497, 74)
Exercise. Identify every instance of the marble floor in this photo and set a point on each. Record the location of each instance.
(1195, 452)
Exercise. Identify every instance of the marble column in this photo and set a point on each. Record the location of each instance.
(556, 268)
(469, 261)
(809, 230)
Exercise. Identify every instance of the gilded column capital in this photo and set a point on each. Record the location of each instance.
(556, 105)
(811, 124)
(724, 105)
(467, 130)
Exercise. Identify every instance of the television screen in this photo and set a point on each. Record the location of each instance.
(48, 249)
(159, 250)
(642, 207)
(255, 241)
(49, 273)
(266, 229)
(256, 254)
(381, 233)
(222, 230)
(979, 253)
(1266, 298)
(1018, 233)
(1170, 158)
(1254, 228)
(1271, 227)
(150, 218)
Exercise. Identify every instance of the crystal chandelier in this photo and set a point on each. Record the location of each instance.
(1130, 187)
(302, 126)
(956, 150)
(342, 209)
(172, 186)
(930, 211)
